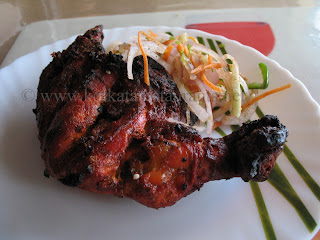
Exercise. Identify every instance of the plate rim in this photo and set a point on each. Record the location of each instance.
(290, 76)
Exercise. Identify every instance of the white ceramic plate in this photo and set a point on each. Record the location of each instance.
(34, 207)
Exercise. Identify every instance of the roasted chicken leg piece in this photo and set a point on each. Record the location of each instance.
(112, 135)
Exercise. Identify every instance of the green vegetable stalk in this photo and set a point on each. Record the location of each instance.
(236, 91)
(265, 76)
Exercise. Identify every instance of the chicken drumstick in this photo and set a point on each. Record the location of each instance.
(112, 135)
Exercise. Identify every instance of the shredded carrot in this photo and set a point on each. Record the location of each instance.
(192, 59)
(216, 124)
(197, 69)
(146, 34)
(208, 83)
(152, 33)
(180, 48)
(186, 51)
(145, 60)
(168, 42)
(202, 68)
(252, 101)
(210, 60)
(153, 39)
(193, 63)
(167, 52)
(212, 65)
(192, 38)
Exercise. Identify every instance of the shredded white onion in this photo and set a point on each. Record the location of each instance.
(202, 48)
(172, 120)
(208, 106)
(200, 97)
(244, 86)
(162, 62)
(235, 85)
(131, 55)
(194, 106)
(162, 37)
(244, 116)
(221, 111)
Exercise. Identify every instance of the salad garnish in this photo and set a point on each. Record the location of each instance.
(211, 85)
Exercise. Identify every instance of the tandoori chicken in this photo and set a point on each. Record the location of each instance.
(103, 132)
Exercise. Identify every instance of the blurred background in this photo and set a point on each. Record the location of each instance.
(15, 14)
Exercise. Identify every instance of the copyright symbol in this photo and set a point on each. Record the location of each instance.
(28, 95)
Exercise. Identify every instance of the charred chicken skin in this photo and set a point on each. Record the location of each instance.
(112, 135)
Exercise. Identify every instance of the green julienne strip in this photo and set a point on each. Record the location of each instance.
(234, 127)
(211, 44)
(314, 187)
(221, 47)
(220, 131)
(200, 40)
(265, 77)
(259, 112)
(263, 212)
(281, 183)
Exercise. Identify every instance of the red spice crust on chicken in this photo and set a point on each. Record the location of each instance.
(100, 141)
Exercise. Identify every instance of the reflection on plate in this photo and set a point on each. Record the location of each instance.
(35, 207)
